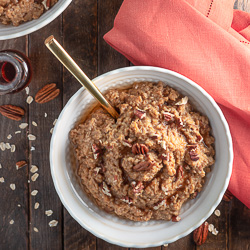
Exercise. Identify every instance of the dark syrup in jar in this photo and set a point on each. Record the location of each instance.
(15, 71)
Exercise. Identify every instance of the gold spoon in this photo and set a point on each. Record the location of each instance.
(75, 70)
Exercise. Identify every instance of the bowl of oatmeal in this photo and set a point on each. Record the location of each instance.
(22, 17)
(153, 175)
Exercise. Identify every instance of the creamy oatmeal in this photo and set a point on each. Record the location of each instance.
(151, 160)
(18, 11)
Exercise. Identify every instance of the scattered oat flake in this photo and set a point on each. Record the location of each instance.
(32, 148)
(35, 229)
(7, 145)
(48, 212)
(18, 132)
(215, 231)
(34, 123)
(29, 99)
(34, 192)
(2, 146)
(45, 114)
(18, 205)
(1, 180)
(23, 125)
(31, 137)
(54, 123)
(1, 165)
(51, 131)
(34, 177)
(210, 227)
(28, 181)
(33, 169)
(9, 136)
(165, 245)
(27, 89)
(11, 222)
(217, 212)
(53, 223)
(13, 186)
(36, 206)
(13, 148)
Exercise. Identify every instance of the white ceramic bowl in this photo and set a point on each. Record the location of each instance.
(123, 232)
(10, 31)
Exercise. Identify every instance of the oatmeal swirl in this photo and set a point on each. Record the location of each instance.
(151, 160)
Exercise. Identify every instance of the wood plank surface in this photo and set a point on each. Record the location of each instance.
(81, 42)
(43, 61)
(80, 30)
(14, 204)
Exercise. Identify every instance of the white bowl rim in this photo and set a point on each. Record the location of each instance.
(36, 24)
(226, 182)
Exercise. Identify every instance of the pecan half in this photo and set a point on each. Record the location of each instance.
(200, 234)
(137, 187)
(139, 149)
(140, 113)
(12, 112)
(167, 116)
(21, 164)
(176, 218)
(48, 93)
(142, 166)
(228, 196)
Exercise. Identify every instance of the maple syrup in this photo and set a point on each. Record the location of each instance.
(15, 71)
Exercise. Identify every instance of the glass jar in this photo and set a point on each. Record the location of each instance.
(15, 71)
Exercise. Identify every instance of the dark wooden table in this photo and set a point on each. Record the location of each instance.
(80, 30)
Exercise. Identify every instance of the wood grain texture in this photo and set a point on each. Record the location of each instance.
(10, 199)
(81, 42)
(43, 61)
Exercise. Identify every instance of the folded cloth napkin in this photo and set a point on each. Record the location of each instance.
(205, 40)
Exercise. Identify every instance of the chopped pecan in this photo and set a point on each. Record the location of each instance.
(12, 112)
(199, 138)
(142, 166)
(159, 204)
(96, 151)
(137, 187)
(105, 189)
(96, 170)
(127, 200)
(167, 116)
(140, 113)
(47, 93)
(48, 3)
(179, 122)
(192, 146)
(200, 234)
(21, 164)
(176, 218)
(180, 172)
(139, 149)
(165, 157)
(193, 155)
(228, 196)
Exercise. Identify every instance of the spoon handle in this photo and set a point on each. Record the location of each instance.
(75, 70)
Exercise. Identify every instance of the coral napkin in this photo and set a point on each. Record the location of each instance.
(205, 40)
